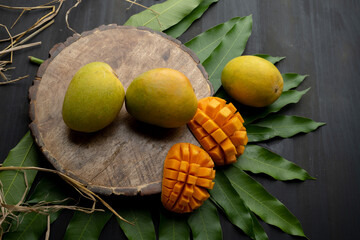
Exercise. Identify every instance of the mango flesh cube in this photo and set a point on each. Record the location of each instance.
(210, 126)
(222, 116)
(194, 169)
(240, 149)
(208, 143)
(200, 194)
(231, 126)
(200, 133)
(232, 108)
(217, 154)
(166, 191)
(228, 147)
(184, 166)
(191, 179)
(171, 174)
(224, 131)
(203, 182)
(182, 177)
(205, 172)
(182, 191)
(212, 108)
(169, 183)
(200, 117)
(194, 204)
(172, 164)
(230, 159)
(219, 135)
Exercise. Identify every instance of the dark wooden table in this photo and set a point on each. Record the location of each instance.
(318, 38)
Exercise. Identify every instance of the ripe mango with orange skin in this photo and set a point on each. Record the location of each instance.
(252, 81)
(162, 97)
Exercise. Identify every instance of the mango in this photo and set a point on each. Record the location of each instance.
(163, 97)
(252, 81)
(187, 175)
(93, 99)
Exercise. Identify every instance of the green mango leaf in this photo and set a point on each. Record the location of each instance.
(231, 46)
(34, 225)
(262, 203)
(24, 154)
(259, 232)
(252, 114)
(49, 188)
(225, 196)
(86, 226)
(205, 223)
(178, 29)
(173, 226)
(271, 59)
(144, 227)
(280, 126)
(163, 15)
(258, 133)
(292, 80)
(205, 43)
(257, 159)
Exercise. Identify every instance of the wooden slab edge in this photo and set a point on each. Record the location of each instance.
(146, 189)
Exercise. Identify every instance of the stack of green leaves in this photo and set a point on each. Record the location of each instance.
(241, 198)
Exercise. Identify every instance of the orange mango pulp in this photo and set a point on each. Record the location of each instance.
(188, 173)
(219, 129)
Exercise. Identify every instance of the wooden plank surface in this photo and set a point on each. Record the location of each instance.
(319, 38)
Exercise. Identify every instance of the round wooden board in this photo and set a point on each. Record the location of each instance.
(125, 158)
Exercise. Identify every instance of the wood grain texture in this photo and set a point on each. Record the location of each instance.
(125, 158)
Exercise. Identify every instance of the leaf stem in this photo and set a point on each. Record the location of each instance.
(36, 60)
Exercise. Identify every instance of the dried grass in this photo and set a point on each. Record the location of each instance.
(133, 2)
(10, 213)
(17, 42)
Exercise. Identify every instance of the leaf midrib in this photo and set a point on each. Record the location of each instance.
(27, 227)
(231, 202)
(240, 33)
(201, 50)
(17, 172)
(136, 224)
(274, 128)
(165, 10)
(222, 36)
(261, 203)
(87, 223)
(204, 225)
(272, 166)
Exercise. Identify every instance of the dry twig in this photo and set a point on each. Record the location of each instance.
(130, 1)
(67, 15)
(20, 47)
(17, 41)
(74, 183)
(10, 213)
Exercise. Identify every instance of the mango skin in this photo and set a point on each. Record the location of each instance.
(252, 81)
(93, 99)
(163, 97)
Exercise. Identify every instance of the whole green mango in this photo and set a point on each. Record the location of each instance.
(93, 99)
(162, 97)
